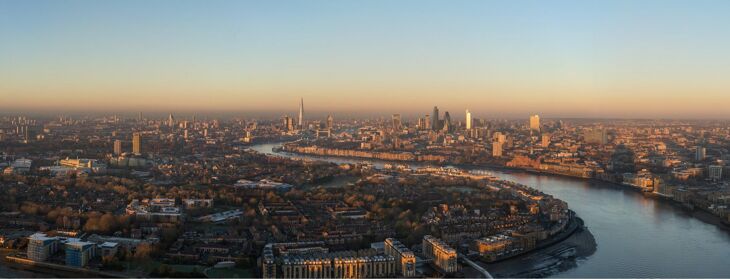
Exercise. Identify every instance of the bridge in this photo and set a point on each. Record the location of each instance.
(474, 265)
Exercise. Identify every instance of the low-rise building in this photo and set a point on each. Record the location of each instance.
(494, 247)
(715, 172)
(109, 249)
(79, 253)
(89, 165)
(155, 210)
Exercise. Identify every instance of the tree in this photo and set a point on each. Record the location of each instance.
(144, 251)
(92, 224)
(107, 223)
(162, 271)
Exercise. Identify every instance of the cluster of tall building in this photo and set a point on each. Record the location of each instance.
(435, 123)
(136, 145)
(288, 122)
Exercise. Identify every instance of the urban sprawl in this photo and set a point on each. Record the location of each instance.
(111, 196)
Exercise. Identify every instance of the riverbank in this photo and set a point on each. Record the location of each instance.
(11, 270)
(700, 214)
(548, 261)
(554, 254)
(625, 232)
(575, 223)
(56, 270)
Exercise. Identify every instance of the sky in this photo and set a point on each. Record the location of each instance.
(583, 58)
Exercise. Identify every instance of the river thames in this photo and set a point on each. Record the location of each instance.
(636, 236)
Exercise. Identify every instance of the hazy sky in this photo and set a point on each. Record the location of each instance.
(635, 58)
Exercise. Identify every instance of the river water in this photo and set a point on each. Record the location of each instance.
(636, 236)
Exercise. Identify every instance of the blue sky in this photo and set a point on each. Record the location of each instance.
(499, 58)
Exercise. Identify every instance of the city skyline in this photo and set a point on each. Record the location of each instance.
(322, 115)
(440, 139)
(500, 59)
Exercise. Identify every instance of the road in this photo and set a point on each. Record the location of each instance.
(476, 266)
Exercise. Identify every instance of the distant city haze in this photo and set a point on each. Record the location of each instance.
(499, 59)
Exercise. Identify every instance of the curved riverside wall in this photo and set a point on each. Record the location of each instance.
(705, 257)
(321, 151)
(574, 224)
(64, 270)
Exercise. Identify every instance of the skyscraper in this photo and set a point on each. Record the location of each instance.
(499, 137)
(468, 120)
(497, 149)
(136, 144)
(435, 119)
(117, 147)
(396, 121)
(447, 122)
(700, 153)
(535, 123)
(330, 121)
(171, 120)
(715, 172)
(301, 114)
(545, 140)
(288, 123)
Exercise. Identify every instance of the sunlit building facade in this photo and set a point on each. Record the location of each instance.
(405, 260)
(137, 144)
(535, 123)
(444, 257)
(468, 120)
(312, 260)
(40, 247)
